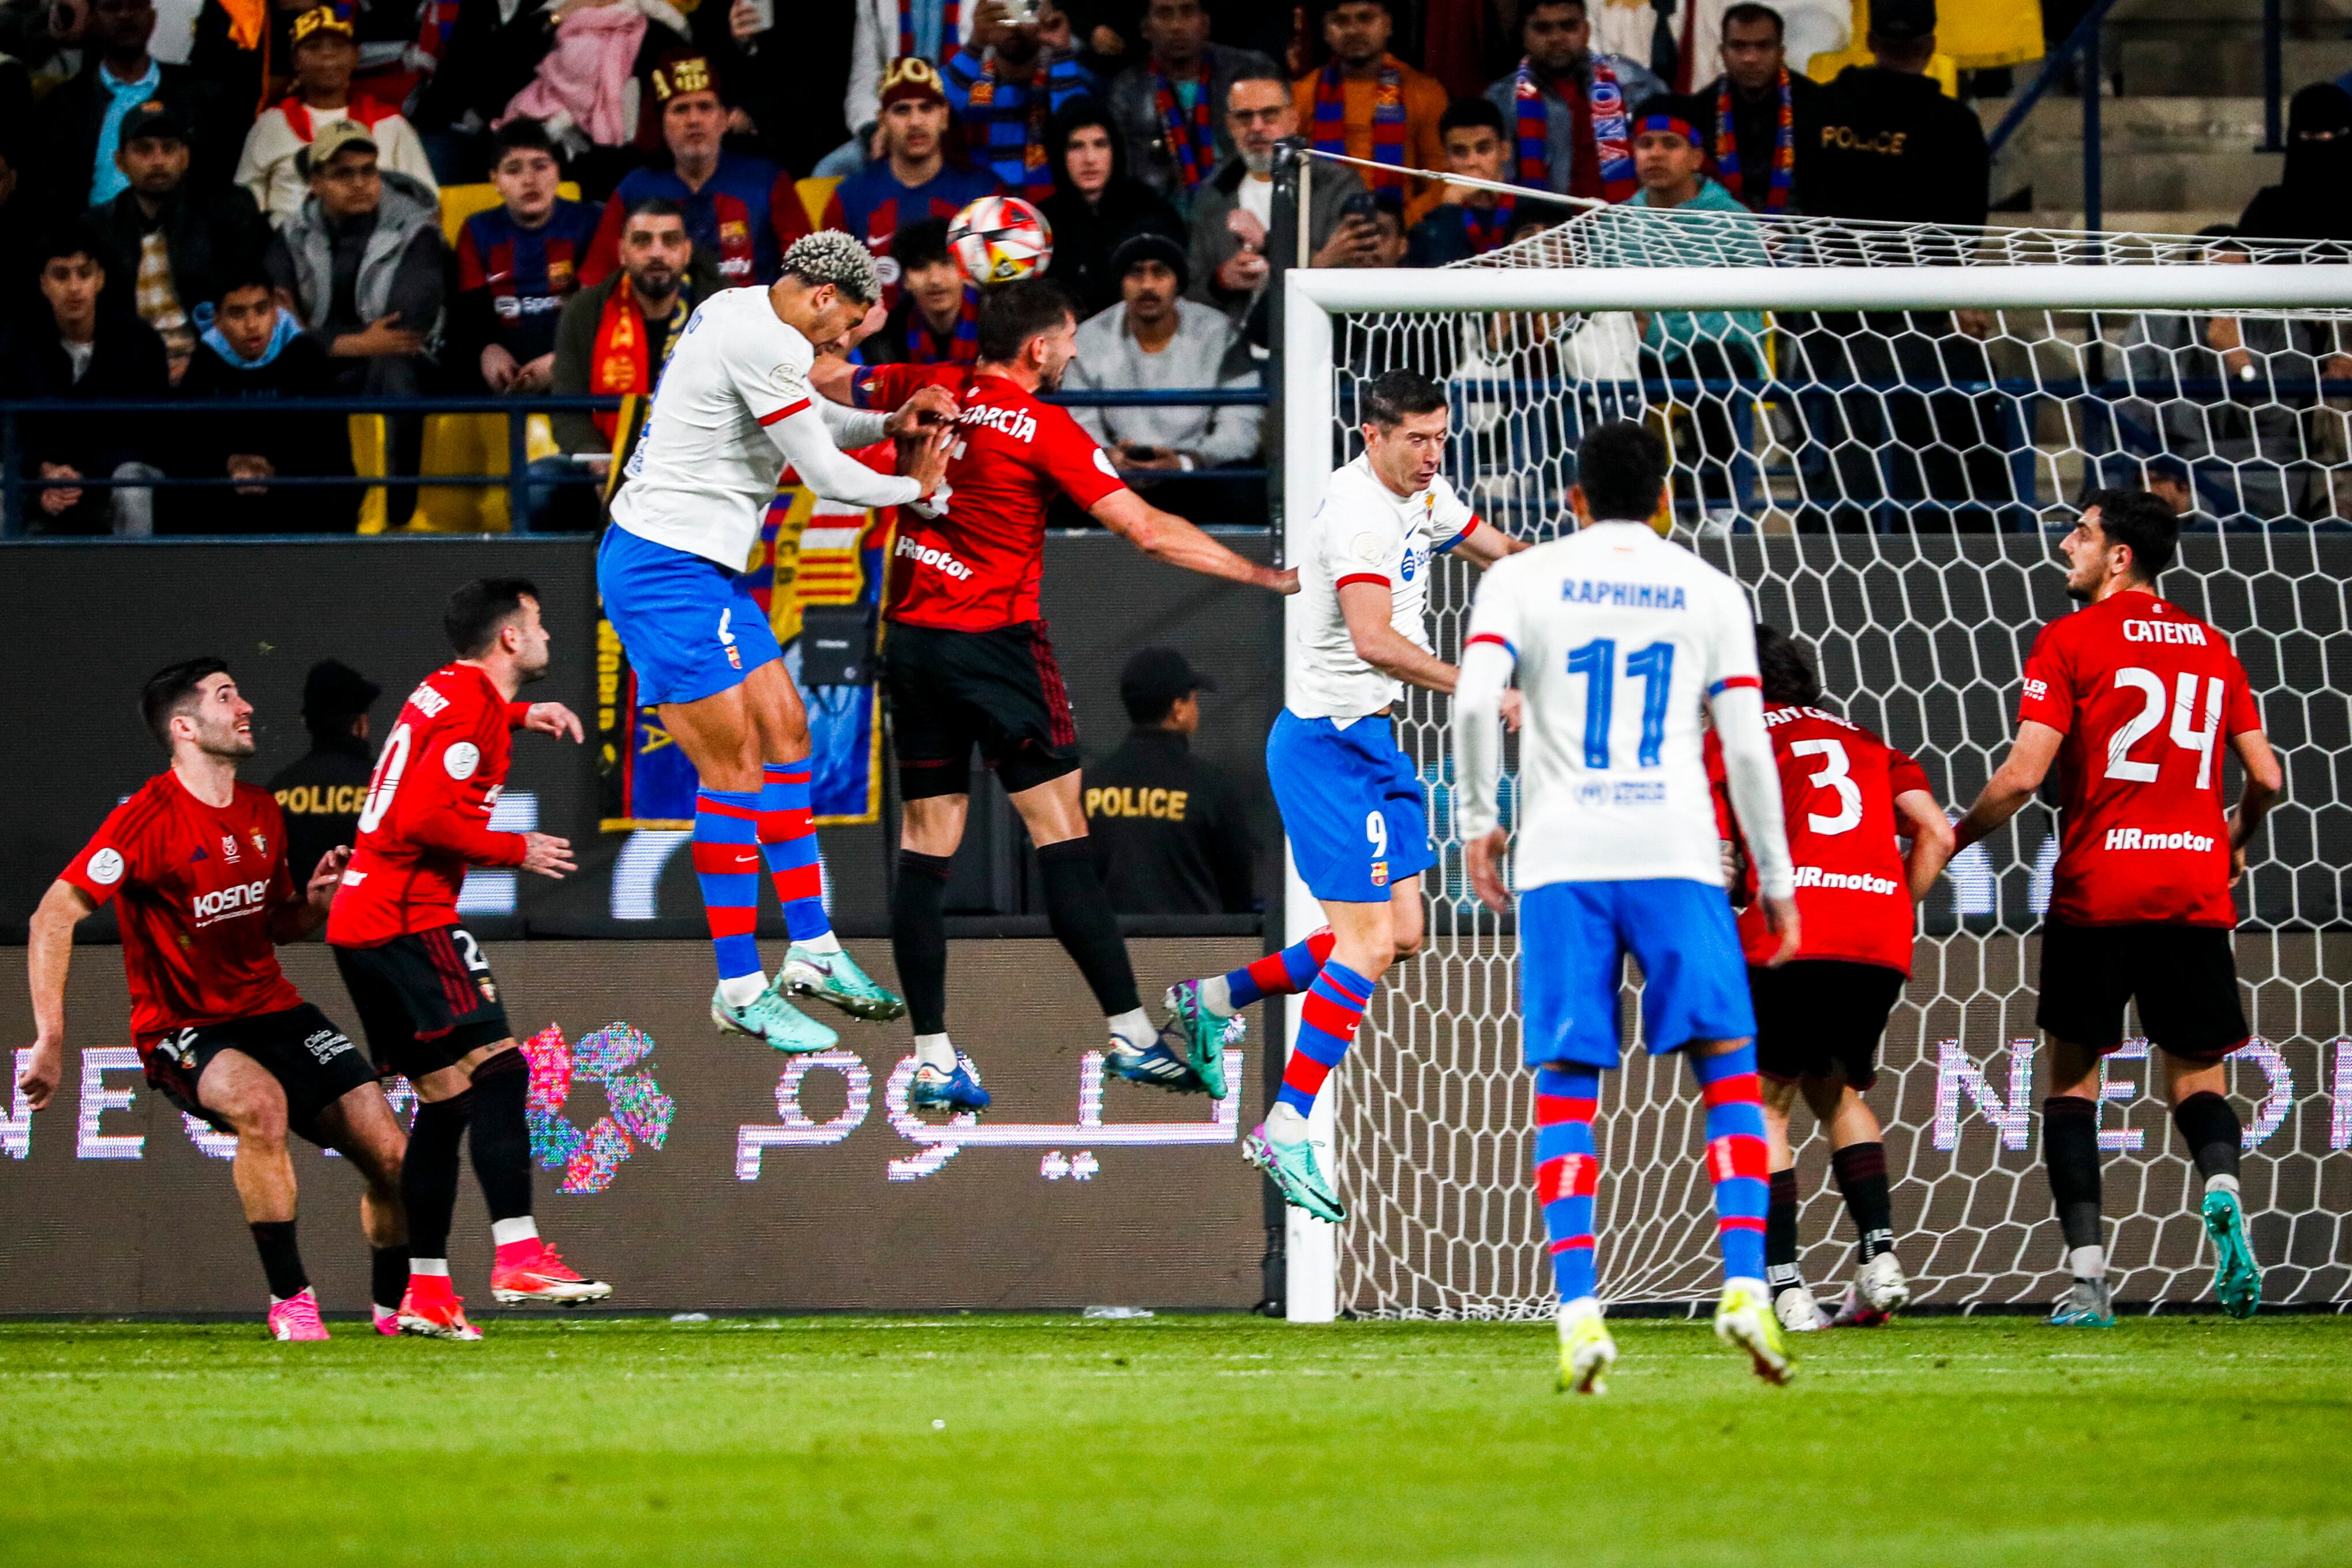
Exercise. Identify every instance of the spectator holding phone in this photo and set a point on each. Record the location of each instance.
(1233, 211)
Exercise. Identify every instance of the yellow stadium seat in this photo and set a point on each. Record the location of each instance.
(459, 202)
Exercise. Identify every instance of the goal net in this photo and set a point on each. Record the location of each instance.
(1881, 431)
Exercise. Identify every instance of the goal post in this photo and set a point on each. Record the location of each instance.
(1921, 600)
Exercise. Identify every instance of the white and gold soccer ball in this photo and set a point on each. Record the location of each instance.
(997, 239)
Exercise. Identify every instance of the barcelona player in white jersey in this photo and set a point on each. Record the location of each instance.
(734, 406)
(1620, 640)
(1351, 797)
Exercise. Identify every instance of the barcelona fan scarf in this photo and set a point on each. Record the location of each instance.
(1784, 149)
(1602, 167)
(1487, 226)
(1388, 123)
(944, 44)
(923, 347)
(1193, 146)
(1036, 178)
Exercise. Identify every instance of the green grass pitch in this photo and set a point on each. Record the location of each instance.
(1179, 1440)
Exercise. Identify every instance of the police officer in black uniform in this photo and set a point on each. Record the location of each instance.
(1901, 451)
(322, 793)
(1168, 830)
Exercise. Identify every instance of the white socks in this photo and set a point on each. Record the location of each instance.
(744, 989)
(934, 1051)
(506, 1232)
(1217, 997)
(2221, 1181)
(1574, 1312)
(434, 1266)
(1285, 1125)
(1133, 1028)
(828, 942)
(2087, 1262)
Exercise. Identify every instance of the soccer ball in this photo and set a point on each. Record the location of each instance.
(999, 238)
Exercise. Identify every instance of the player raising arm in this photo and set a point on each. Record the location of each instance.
(1351, 797)
(732, 408)
(426, 1001)
(2131, 699)
(968, 663)
(1619, 637)
(195, 864)
(1847, 795)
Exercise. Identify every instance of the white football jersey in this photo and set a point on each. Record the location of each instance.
(1620, 639)
(1365, 530)
(707, 463)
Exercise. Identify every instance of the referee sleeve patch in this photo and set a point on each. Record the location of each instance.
(786, 412)
(1731, 683)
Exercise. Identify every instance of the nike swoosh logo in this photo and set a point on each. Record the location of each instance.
(747, 860)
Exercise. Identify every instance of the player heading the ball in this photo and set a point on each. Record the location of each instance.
(1620, 638)
(2131, 699)
(734, 406)
(969, 663)
(1351, 797)
(194, 862)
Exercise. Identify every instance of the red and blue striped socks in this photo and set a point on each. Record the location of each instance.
(1567, 1167)
(789, 842)
(1334, 1011)
(727, 863)
(1736, 1158)
(1282, 974)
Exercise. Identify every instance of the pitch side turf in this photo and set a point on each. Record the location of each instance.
(1174, 1441)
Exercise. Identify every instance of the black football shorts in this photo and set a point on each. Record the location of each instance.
(1000, 690)
(314, 1063)
(2184, 978)
(425, 1000)
(1823, 1018)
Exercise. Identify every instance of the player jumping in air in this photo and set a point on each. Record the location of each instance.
(195, 862)
(1846, 796)
(733, 407)
(1351, 797)
(426, 998)
(1619, 637)
(968, 663)
(2133, 699)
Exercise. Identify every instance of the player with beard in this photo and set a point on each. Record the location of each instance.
(197, 860)
(969, 663)
(2132, 700)
(425, 999)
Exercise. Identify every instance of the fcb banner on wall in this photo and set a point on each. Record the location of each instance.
(812, 552)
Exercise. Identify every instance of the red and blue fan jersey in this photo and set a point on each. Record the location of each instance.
(874, 206)
(529, 272)
(744, 218)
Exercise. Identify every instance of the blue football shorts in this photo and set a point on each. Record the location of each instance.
(1351, 804)
(691, 627)
(1574, 939)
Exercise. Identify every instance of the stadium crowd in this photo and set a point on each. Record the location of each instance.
(386, 199)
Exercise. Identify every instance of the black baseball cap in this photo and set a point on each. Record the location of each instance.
(1902, 21)
(1155, 677)
(153, 119)
(334, 690)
